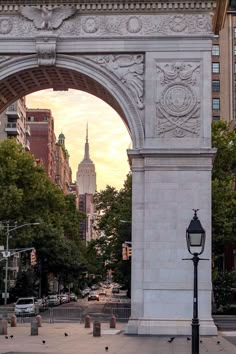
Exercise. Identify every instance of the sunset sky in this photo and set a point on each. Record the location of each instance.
(108, 136)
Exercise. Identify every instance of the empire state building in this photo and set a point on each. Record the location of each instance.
(86, 174)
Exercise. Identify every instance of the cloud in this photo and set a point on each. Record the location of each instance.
(108, 136)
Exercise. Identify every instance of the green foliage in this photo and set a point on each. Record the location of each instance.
(223, 282)
(223, 187)
(25, 284)
(27, 195)
(115, 221)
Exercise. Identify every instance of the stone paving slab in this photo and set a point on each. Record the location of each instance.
(81, 341)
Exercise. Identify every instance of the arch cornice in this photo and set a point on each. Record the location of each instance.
(118, 96)
(118, 5)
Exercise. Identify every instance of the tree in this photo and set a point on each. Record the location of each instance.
(223, 187)
(223, 208)
(115, 221)
(28, 195)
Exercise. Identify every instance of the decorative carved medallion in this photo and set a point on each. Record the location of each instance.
(46, 50)
(90, 24)
(45, 18)
(5, 25)
(134, 24)
(178, 107)
(129, 69)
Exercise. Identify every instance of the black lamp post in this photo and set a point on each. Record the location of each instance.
(195, 236)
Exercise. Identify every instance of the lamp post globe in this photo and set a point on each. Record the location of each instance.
(195, 235)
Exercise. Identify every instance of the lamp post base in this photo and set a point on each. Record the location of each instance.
(195, 336)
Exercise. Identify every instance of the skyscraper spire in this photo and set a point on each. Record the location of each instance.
(86, 148)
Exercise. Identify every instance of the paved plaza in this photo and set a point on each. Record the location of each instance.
(79, 340)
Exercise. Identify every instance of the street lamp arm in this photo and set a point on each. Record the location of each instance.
(23, 225)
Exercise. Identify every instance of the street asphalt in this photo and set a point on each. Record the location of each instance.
(74, 338)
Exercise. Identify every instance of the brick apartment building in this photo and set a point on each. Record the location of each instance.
(43, 139)
(53, 155)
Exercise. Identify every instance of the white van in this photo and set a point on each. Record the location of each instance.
(26, 306)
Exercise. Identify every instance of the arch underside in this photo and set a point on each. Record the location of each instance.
(59, 79)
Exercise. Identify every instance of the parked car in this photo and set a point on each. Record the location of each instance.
(43, 304)
(85, 292)
(63, 298)
(73, 297)
(93, 296)
(26, 306)
(53, 300)
(115, 290)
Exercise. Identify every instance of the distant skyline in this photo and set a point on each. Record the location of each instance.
(108, 136)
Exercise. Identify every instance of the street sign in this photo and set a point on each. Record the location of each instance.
(3, 295)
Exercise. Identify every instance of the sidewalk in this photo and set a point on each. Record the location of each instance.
(80, 340)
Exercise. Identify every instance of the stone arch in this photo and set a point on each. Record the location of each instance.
(23, 75)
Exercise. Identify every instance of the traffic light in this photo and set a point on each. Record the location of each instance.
(33, 259)
(126, 252)
(125, 256)
(129, 251)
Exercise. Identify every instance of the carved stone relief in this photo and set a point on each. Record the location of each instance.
(46, 18)
(46, 50)
(6, 25)
(130, 71)
(69, 22)
(178, 104)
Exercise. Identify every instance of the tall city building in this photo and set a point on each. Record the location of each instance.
(51, 154)
(224, 94)
(42, 139)
(63, 170)
(86, 182)
(224, 69)
(13, 124)
(86, 174)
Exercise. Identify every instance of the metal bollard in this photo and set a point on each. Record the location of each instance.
(3, 326)
(38, 319)
(13, 321)
(34, 328)
(87, 321)
(97, 329)
(113, 322)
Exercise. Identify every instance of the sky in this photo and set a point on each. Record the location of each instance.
(108, 136)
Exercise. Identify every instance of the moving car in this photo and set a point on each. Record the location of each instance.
(93, 296)
(103, 292)
(26, 306)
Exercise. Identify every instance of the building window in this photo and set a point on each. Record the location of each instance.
(216, 49)
(216, 104)
(216, 117)
(234, 32)
(216, 85)
(235, 68)
(215, 68)
(31, 119)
